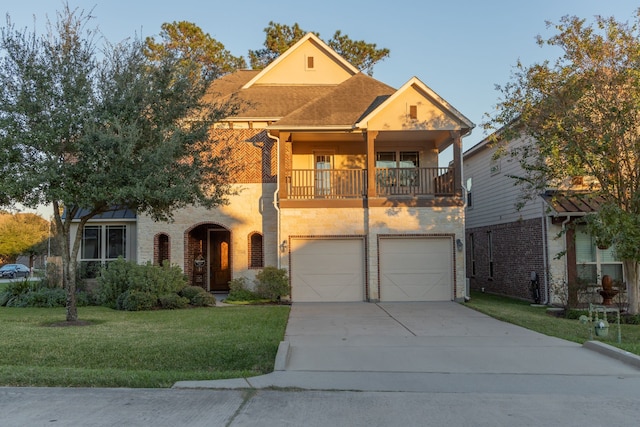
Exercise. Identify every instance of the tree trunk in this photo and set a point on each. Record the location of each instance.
(631, 274)
(72, 308)
(69, 258)
(69, 279)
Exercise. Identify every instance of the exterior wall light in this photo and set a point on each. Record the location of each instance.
(283, 246)
(459, 245)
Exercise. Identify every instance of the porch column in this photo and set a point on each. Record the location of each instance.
(284, 164)
(572, 266)
(371, 163)
(457, 163)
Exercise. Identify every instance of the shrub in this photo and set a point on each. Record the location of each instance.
(158, 280)
(133, 300)
(27, 293)
(173, 301)
(122, 277)
(14, 290)
(239, 291)
(197, 296)
(203, 299)
(631, 319)
(575, 314)
(43, 297)
(113, 281)
(272, 283)
(189, 292)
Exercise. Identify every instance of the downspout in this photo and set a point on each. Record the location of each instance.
(276, 204)
(566, 249)
(465, 193)
(545, 254)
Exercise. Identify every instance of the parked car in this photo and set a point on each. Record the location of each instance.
(12, 271)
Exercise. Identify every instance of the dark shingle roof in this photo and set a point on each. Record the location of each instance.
(344, 105)
(262, 101)
(301, 105)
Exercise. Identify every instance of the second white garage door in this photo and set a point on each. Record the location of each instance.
(415, 269)
(327, 270)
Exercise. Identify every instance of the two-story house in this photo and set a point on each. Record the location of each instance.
(340, 183)
(511, 240)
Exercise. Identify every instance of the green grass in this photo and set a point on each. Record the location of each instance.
(521, 313)
(138, 349)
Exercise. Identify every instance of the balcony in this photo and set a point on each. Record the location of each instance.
(335, 184)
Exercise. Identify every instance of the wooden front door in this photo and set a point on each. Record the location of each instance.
(219, 260)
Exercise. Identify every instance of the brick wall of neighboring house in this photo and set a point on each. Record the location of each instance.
(517, 251)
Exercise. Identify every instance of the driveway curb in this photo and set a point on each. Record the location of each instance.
(282, 356)
(613, 352)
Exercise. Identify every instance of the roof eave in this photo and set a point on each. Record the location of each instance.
(329, 128)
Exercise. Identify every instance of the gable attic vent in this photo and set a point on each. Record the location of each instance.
(310, 64)
(413, 112)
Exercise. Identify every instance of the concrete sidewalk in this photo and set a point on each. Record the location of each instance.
(370, 365)
(409, 346)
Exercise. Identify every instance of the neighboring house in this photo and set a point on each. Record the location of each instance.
(340, 184)
(507, 242)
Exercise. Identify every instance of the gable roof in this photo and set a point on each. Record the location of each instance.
(309, 37)
(415, 83)
(287, 95)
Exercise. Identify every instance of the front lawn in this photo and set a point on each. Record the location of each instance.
(138, 349)
(521, 313)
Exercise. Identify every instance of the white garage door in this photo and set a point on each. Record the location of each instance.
(415, 269)
(327, 270)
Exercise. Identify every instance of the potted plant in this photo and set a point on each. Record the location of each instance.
(602, 328)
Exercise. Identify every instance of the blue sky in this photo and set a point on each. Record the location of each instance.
(460, 49)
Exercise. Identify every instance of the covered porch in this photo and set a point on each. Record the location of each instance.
(370, 165)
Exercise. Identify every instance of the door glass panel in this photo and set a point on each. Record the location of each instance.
(323, 174)
(386, 159)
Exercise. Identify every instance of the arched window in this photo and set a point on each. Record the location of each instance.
(256, 252)
(161, 249)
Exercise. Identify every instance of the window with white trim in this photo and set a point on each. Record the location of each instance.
(593, 262)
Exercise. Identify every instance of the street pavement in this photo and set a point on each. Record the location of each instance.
(385, 364)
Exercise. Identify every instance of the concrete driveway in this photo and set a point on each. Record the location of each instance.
(428, 347)
(428, 337)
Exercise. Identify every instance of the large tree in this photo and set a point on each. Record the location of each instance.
(187, 41)
(22, 234)
(280, 37)
(87, 130)
(583, 114)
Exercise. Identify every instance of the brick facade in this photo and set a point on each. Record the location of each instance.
(517, 249)
(253, 153)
